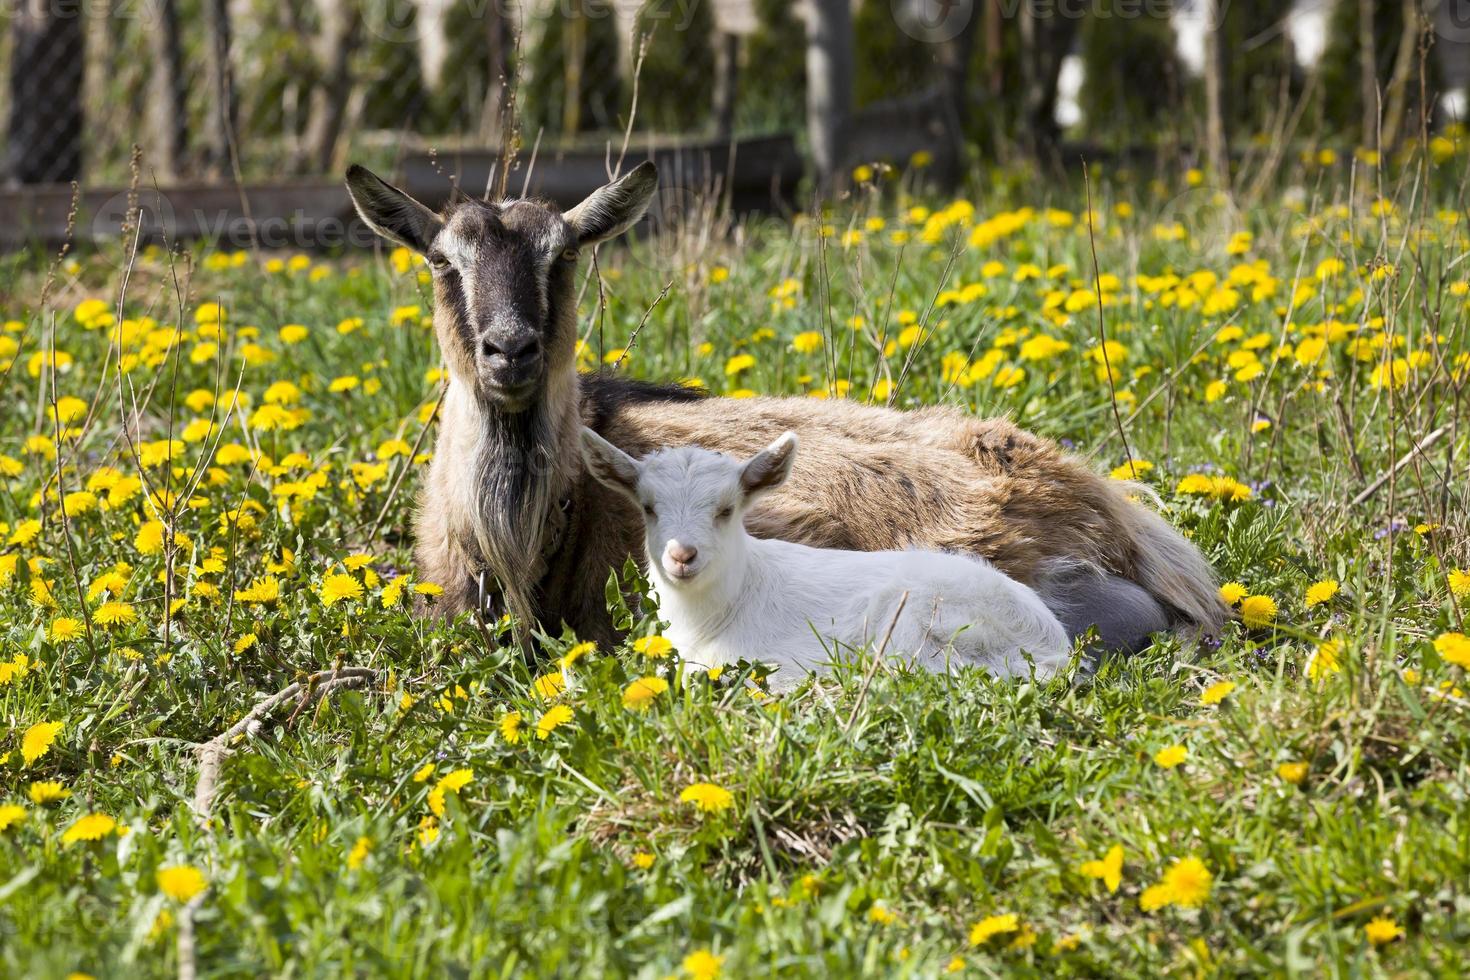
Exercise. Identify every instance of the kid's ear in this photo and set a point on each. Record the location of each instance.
(770, 467)
(391, 212)
(611, 210)
(609, 465)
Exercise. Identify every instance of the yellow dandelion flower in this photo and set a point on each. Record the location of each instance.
(639, 695)
(1292, 772)
(653, 647)
(11, 814)
(738, 363)
(1216, 692)
(25, 532)
(1132, 471)
(48, 791)
(92, 827)
(1320, 592)
(553, 719)
(707, 797)
(1324, 660)
(1154, 897)
(38, 739)
(642, 860)
(115, 614)
(807, 342)
(359, 853)
(16, 668)
(510, 727)
(1257, 611)
(1454, 648)
(1109, 869)
(1188, 882)
(550, 685)
(340, 586)
(1232, 592)
(450, 782)
(65, 629)
(1382, 930)
(881, 914)
(1459, 583)
(703, 965)
(181, 882)
(1170, 756)
(993, 925)
(577, 652)
(261, 591)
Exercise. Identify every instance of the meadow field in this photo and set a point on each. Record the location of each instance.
(208, 462)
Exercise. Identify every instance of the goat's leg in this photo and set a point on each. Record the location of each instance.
(1123, 612)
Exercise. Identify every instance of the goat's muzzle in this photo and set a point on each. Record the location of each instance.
(510, 368)
(680, 561)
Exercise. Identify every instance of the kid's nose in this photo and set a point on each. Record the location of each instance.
(682, 554)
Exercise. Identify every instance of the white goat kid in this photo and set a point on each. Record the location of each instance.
(729, 596)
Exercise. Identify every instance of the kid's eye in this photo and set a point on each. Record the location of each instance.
(648, 511)
(437, 262)
(570, 254)
(724, 513)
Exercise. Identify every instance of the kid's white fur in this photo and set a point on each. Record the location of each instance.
(730, 596)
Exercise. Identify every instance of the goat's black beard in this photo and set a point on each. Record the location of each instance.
(515, 473)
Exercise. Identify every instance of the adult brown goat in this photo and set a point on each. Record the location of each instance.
(508, 499)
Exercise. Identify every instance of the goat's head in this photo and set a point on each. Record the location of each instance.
(693, 501)
(504, 271)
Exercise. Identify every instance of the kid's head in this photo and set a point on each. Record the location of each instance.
(693, 500)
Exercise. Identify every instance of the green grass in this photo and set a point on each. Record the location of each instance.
(876, 816)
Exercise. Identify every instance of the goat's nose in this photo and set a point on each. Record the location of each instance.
(517, 347)
(682, 554)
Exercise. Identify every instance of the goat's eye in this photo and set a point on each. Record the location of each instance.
(438, 262)
(570, 254)
(724, 513)
(648, 511)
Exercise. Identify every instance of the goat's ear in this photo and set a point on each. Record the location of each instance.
(770, 467)
(609, 465)
(609, 211)
(391, 212)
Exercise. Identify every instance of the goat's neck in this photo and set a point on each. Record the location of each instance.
(539, 436)
(519, 469)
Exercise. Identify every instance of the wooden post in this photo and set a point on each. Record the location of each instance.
(829, 79)
(44, 131)
(727, 82)
(1217, 139)
(220, 80)
(1368, 74)
(168, 119)
(341, 32)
